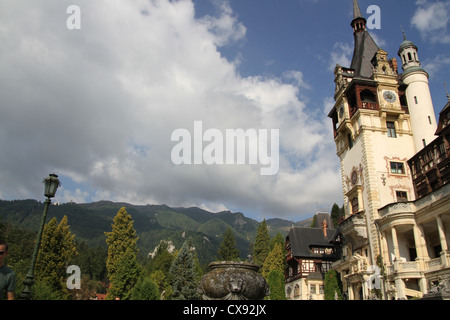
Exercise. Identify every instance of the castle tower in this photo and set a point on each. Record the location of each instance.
(423, 120)
(376, 125)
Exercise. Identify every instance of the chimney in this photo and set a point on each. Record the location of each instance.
(324, 227)
(394, 64)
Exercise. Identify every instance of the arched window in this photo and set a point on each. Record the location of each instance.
(296, 290)
(409, 56)
(355, 205)
(288, 292)
(368, 96)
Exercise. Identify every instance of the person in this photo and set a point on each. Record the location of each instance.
(7, 276)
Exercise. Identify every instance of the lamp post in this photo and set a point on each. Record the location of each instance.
(51, 184)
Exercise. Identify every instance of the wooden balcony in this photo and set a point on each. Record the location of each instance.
(431, 167)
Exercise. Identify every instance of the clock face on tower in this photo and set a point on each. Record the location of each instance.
(390, 96)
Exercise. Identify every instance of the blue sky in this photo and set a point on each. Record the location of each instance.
(97, 105)
(301, 34)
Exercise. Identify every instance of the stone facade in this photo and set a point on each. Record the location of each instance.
(392, 234)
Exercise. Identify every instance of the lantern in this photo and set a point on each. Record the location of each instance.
(51, 184)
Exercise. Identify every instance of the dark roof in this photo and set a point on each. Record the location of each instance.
(302, 239)
(445, 109)
(365, 50)
(406, 44)
(320, 216)
(365, 46)
(443, 118)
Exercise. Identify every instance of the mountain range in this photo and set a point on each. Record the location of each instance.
(153, 223)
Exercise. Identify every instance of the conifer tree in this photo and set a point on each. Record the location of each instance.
(274, 261)
(228, 250)
(261, 247)
(276, 284)
(55, 254)
(122, 266)
(336, 214)
(163, 258)
(332, 286)
(184, 273)
(145, 289)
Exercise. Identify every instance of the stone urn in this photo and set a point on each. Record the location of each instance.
(233, 280)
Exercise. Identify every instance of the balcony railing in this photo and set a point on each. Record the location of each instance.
(370, 105)
(398, 207)
(401, 267)
(354, 221)
(433, 265)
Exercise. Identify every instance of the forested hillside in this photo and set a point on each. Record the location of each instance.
(153, 223)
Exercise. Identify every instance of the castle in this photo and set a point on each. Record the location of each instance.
(392, 242)
(395, 169)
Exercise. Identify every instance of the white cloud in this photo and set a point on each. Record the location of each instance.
(98, 106)
(341, 54)
(437, 64)
(226, 28)
(378, 40)
(432, 19)
(77, 196)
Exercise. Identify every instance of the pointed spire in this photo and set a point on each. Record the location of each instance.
(404, 35)
(356, 10)
(365, 46)
(359, 22)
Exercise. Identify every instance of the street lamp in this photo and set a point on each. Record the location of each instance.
(51, 184)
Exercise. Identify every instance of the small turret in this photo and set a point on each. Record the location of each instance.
(408, 52)
(420, 104)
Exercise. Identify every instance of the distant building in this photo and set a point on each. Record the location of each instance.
(395, 173)
(309, 256)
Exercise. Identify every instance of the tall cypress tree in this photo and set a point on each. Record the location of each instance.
(336, 214)
(122, 266)
(261, 248)
(56, 252)
(185, 276)
(228, 250)
(276, 283)
(274, 261)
